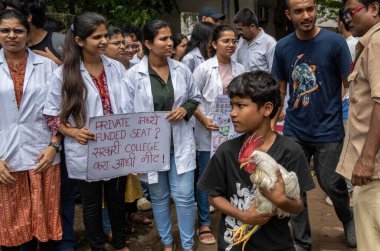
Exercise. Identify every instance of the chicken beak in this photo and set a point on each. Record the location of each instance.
(242, 165)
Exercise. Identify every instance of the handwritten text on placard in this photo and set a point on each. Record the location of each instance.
(128, 143)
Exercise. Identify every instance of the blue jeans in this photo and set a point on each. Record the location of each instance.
(145, 190)
(181, 186)
(106, 221)
(202, 197)
(325, 159)
(68, 192)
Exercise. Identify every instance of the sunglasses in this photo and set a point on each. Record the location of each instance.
(16, 31)
(348, 15)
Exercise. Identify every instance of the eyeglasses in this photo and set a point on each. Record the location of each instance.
(229, 41)
(348, 15)
(122, 42)
(16, 31)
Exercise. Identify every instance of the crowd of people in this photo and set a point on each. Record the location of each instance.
(314, 79)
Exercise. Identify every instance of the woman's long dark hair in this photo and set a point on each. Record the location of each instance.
(200, 38)
(74, 91)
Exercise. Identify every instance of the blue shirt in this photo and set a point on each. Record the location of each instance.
(314, 70)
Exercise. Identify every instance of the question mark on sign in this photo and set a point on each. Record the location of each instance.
(157, 131)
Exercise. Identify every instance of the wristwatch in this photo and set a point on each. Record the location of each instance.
(57, 146)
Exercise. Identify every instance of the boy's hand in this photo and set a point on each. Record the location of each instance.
(277, 194)
(251, 216)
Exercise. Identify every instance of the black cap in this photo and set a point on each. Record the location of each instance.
(210, 12)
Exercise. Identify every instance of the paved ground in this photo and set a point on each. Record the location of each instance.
(327, 231)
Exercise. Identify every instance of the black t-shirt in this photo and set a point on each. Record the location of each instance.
(46, 42)
(223, 177)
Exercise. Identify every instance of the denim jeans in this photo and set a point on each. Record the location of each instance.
(202, 197)
(68, 193)
(106, 221)
(145, 190)
(181, 186)
(91, 193)
(325, 159)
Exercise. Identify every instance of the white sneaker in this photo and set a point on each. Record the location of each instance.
(143, 204)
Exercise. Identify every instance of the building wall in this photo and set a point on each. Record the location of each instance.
(195, 5)
(273, 24)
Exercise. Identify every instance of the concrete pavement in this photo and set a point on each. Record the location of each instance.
(327, 231)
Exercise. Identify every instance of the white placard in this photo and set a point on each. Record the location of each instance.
(128, 143)
(221, 118)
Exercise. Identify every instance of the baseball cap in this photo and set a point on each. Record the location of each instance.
(210, 12)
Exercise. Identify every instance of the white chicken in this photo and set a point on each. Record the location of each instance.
(262, 169)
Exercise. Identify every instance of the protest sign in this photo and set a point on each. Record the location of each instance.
(221, 118)
(128, 143)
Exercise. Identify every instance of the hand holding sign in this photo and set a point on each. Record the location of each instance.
(83, 135)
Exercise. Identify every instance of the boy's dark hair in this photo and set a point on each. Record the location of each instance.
(341, 19)
(260, 86)
(246, 17)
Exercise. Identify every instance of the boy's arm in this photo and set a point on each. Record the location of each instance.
(277, 196)
(248, 217)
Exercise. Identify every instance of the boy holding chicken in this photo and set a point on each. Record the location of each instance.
(255, 98)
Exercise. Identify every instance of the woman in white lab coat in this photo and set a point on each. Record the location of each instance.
(212, 78)
(29, 165)
(159, 83)
(89, 84)
(197, 49)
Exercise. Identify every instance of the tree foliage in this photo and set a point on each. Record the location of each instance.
(117, 12)
(328, 9)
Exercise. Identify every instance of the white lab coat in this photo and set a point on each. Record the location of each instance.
(77, 154)
(209, 83)
(193, 59)
(140, 99)
(24, 133)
